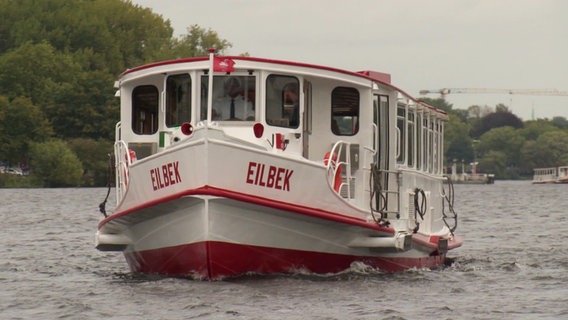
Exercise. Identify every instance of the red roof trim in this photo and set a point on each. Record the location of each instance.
(369, 75)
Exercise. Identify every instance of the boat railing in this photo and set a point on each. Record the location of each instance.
(338, 164)
(385, 193)
(122, 161)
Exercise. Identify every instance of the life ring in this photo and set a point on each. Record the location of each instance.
(132, 156)
(336, 170)
(130, 159)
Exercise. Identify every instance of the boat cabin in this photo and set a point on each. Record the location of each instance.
(299, 110)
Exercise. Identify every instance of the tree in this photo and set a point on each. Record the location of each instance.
(560, 122)
(500, 118)
(22, 123)
(457, 142)
(550, 149)
(58, 62)
(195, 43)
(37, 71)
(94, 158)
(496, 163)
(109, 35)
(503, 139)
(534, 128)
(55, 164)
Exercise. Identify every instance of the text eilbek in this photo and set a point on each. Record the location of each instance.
(165, 176)
(269, 176)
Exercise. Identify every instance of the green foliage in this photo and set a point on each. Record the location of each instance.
(55, 164)
(22, 122)
(458, 145)
(107, 34)
(495, 162)
(534, 128)
(196, 42)
(550, 149)
(560, 122)
(500, 118)
(503, 139)
(15, 181)
(58, 62)
(94, 157)
(506, 151)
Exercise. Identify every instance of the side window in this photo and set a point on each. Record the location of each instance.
(178, 100)
(282, 101)
(145, 110)
(344, 111)
(401, 128)
(233, 98)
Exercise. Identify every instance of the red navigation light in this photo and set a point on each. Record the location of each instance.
(187, 128)
(258, 129)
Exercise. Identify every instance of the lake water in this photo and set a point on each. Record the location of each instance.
(513, 265)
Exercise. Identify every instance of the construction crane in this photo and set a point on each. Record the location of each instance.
(527, 92)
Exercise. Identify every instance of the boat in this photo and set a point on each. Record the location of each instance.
(550, 175)
(231, 165)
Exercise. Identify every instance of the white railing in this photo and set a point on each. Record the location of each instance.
(122, 161)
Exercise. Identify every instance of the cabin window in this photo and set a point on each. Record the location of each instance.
(439, 146)
(233, 98)
(178, 100)
(419, 140)
(432, 145)
(282, 101)
(427, 142)
(411, 135)
(344, 111)
(145, 101)
(401, 130)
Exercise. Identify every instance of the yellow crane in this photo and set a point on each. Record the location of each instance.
(527, 92)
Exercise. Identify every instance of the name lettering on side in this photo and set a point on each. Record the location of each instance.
(165, 176)
(267, 176)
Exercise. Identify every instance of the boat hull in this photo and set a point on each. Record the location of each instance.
(207, 236)
(213, 260)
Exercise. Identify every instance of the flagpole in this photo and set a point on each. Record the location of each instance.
(210, 87)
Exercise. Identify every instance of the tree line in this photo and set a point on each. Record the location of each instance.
(500, 142)
(59, 60)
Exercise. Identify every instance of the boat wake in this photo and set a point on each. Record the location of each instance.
(357, 270)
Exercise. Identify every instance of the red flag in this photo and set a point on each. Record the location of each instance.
(221, 64)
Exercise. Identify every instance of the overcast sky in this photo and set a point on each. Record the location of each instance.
(423, 44)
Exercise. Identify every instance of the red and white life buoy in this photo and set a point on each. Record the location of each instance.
(129, 159)
(336, 170)
(132, 156)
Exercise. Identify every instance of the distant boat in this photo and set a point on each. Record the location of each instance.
(313, 169)
(472, 177)
(550, 175)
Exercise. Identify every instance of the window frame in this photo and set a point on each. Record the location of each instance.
(349, 111)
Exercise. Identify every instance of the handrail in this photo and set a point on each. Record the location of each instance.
(122, 161)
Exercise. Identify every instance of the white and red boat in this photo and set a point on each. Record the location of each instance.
(234, 165)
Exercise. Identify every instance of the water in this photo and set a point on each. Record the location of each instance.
(513, 265)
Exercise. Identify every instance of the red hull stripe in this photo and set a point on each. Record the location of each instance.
(213, 191)
(215, 260)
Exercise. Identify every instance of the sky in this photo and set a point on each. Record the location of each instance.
(423, 44)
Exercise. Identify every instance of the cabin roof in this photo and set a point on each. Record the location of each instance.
(375, 76)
